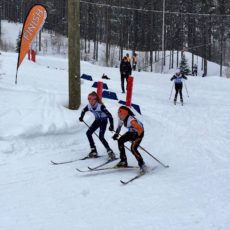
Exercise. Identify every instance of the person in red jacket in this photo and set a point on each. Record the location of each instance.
(135, 134)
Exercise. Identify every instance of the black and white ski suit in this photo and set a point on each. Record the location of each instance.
(178, 85)
(101, 119)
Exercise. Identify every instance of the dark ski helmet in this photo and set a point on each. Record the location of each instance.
(124, 111)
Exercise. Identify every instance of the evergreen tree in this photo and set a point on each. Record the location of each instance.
(184, 65)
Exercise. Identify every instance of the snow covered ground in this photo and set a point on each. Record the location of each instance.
(36, 127)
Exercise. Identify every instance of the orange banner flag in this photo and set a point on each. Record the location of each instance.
(33, 23)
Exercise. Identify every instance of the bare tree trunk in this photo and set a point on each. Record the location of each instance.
(172, 59)
(151, 37)
(202, 64)
(177, 58)
(222, 31)
(221, 55)
(121, 41)
(151, 61)
(88, 51)
(192, 60)
(97, 50)
(107, 38)
(74, 53)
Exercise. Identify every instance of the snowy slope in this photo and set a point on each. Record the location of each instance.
(36, 127)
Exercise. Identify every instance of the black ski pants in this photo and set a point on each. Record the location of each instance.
(133, 137)
(123, 78)
(102, 124)
(178, 89)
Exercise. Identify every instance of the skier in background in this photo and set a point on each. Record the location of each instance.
(194, 71)
(101, 119)
(135, 134)
(178, 84)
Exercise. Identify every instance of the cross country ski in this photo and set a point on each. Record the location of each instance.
(142, 173)
(107, 168)
(98, 166)
(71, 161)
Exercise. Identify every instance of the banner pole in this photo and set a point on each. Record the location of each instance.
(129, 91)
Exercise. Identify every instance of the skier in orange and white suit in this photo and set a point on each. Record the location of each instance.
(135, 134)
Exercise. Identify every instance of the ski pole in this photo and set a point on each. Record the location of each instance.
(98, 136)
(186, 88)
(165, 166)
(171, 91)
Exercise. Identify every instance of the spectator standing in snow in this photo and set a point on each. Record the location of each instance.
(125, 70)
(134, 61)
(128, 57)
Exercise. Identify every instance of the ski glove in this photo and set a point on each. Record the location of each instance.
(80, 119)
(111, 128)
(115, 136)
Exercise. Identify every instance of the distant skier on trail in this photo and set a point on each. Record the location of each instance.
(194, 71)
(135, 134)
(101, 119)
(178, 84)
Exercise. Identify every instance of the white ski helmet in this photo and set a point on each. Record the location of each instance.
(178, 71)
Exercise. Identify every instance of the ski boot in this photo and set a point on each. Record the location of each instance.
(143, 168)
(111, 155)
(182, 103)
(122, 164)
(174, 101)
(93, 153)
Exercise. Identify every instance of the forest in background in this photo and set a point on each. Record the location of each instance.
(201, 27)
